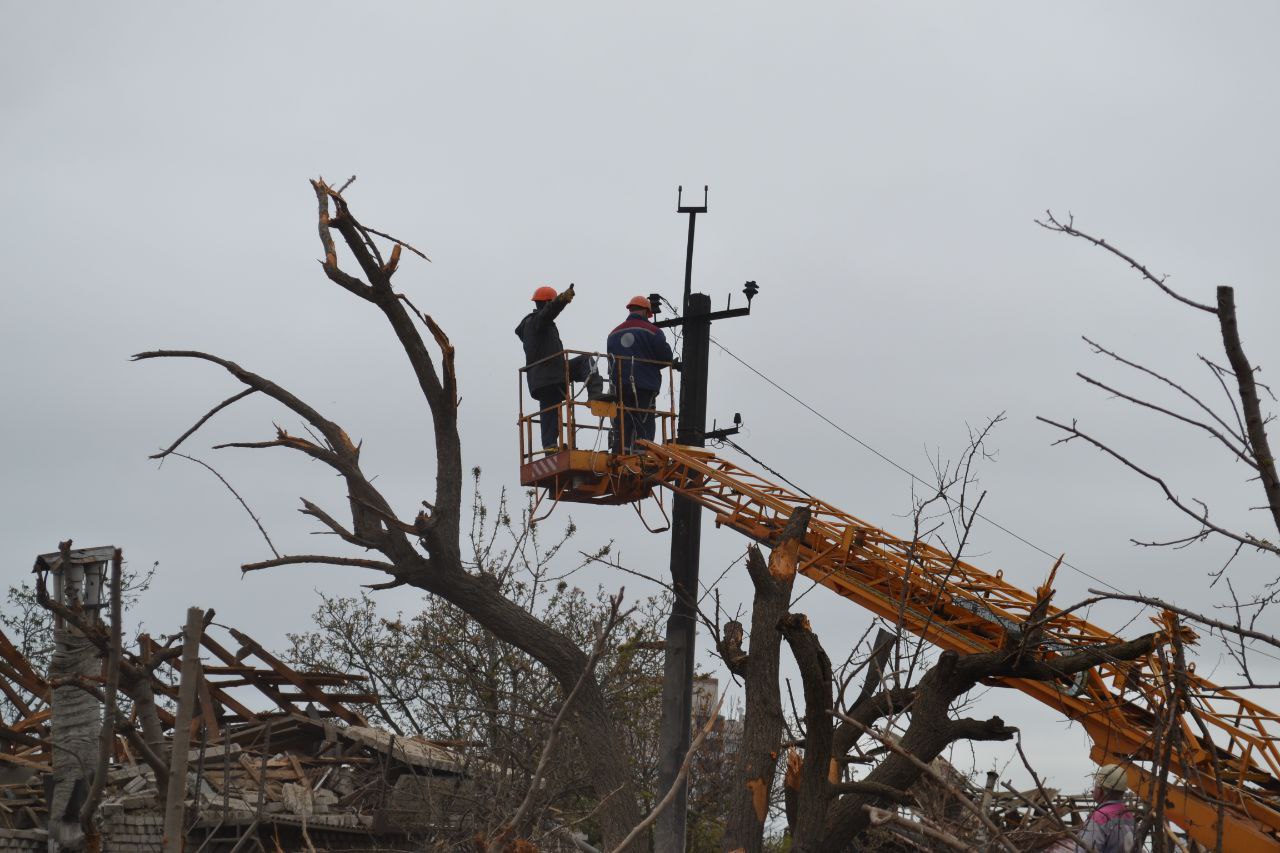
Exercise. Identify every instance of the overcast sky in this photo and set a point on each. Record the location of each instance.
(876, 167)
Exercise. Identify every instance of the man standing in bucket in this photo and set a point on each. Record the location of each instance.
(546, 376)
(635, 347)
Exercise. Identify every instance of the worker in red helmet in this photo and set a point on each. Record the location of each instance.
(546, 374)
(638, 352)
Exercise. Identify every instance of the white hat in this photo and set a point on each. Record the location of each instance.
(1111, 777)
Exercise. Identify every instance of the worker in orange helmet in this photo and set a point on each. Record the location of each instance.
(546, 375)
(638, 351)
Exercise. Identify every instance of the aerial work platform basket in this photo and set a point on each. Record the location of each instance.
(596, 458)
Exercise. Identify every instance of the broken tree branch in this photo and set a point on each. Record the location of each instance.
(242, 501)
(227, 402)
(880, 817)
(924, 767)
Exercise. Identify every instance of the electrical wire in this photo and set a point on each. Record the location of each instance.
(677, 332)
(903, 468)
(764, 465)
(882, 456)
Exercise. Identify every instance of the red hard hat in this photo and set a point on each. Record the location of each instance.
(544, 294)
(640, 302)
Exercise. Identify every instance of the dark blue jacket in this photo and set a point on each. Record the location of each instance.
(637, 338)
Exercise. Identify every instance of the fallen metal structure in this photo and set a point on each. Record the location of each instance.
(303, 770)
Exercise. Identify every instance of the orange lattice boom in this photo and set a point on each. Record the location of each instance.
(956, 606)
(1231, 765)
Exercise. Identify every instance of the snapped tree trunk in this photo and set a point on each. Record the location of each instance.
(762, 725)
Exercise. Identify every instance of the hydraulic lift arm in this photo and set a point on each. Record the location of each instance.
(953, 605)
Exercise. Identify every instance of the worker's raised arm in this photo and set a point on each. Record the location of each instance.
(549, 310)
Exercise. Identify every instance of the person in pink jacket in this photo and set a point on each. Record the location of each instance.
(1109, 828)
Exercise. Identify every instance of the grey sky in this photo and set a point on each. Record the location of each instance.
(876, 167)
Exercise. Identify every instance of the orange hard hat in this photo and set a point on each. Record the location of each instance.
(544, 294)
(640, 302)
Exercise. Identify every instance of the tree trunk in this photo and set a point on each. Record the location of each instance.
(816, 772)
(930, 732)
(592, 724)
(1254, 422)
(762, 725)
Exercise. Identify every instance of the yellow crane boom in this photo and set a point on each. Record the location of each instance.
(1227, 762)
(953, 605)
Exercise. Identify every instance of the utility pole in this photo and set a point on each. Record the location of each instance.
(686, 539)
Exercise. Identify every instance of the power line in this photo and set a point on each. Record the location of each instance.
(764, 465)
(900, 468)
(882, 456)
(903, 468)
(912, 475)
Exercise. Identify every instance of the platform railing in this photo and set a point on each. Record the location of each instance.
(586, 420)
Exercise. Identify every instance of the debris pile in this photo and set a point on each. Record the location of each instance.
(309, 774)
(296, 781)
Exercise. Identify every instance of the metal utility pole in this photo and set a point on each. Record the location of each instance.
(686, 538)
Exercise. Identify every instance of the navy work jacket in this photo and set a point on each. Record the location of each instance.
(637, 338)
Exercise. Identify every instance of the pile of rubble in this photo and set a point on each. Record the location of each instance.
(310, 773)
(297, 783)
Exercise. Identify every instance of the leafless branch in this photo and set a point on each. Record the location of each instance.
(1202, 517)
(319, 559)
(247, 509)
(880, 817)
(1237, 435)
(1238, 452)
(607, 626)
(1151, 601)
(227, 402)
(397, 241)
(1052, 224)
(681, 775)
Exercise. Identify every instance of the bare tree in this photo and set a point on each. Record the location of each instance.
(1243, 432)
(1239, 429)
(425, 552)
(827, 808)
(758, 667)
(441, 675)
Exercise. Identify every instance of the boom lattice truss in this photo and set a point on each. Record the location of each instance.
(1227, 761)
